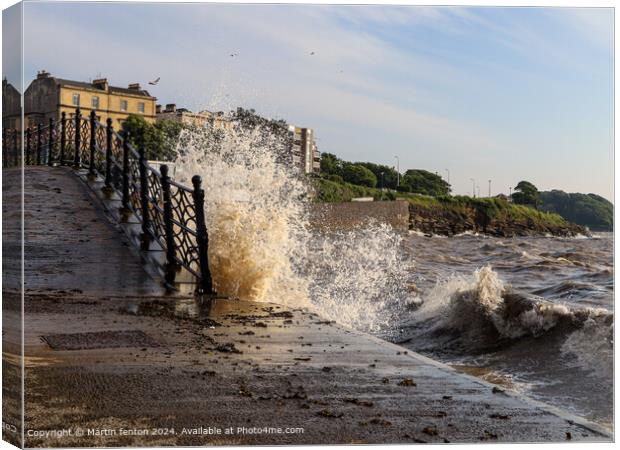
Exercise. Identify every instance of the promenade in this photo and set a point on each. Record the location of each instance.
(111, 359)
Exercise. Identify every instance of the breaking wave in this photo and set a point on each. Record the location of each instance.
(480, 313)
(261, 245)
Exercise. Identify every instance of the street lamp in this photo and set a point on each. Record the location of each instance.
(397, 171)
(382, 174)
(473, 187)
(478, 189)
(448, 170)
(489, 188)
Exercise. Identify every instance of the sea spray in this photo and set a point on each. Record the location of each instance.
(261, 245)
(359, 276)
(254, 210)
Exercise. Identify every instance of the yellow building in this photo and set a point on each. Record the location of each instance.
(11, 106)
(47, 97)
(186, 117)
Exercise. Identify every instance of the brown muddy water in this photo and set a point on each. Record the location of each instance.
(534, 314)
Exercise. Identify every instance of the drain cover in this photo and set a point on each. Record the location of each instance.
(99, 339)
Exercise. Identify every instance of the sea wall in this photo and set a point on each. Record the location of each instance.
(346, 215)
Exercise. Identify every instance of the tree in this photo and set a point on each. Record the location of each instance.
(249, 119)
(525, 193)
(331, 164)
(160, 139)
(360, 175)
(591, 210)
(390, 175)
(424, 182)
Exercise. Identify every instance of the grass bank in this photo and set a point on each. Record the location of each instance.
(449, 215)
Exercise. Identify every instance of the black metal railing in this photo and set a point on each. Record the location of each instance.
(169, 212)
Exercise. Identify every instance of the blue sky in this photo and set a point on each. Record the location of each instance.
(487, 93)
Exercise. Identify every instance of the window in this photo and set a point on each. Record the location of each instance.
(95, 102)
(141, 108)
(76, 99)
(123, 105)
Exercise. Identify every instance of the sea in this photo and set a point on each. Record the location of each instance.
(533, 314)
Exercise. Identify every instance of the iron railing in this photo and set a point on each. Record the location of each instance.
(169, 212)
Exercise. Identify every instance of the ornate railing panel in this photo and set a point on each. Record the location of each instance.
(169, 212)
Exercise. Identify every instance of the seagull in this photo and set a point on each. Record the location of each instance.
(154, 82)
(311, 53)
(232, 55)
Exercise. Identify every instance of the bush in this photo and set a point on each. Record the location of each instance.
(360, 175)
(335, 178)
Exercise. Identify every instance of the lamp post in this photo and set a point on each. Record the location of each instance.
(478, 190)
(448, 171)
(397, 171)
(473, 187)
(382, 174)
(510, 195)
(489, 188)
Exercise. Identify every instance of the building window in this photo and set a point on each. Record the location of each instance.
(123, 105)
(76, 99)
(141, 108)
(95, 102)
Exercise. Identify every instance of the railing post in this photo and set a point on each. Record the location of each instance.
(50, 144)
(39, 133)
(16, 148)
(125, 209)
(5, 153)
(171, 262)
(28, 145)
(108, 155)
(63, 137)
(144, 197)
(202, 238)
(78, 137)
(92, 144)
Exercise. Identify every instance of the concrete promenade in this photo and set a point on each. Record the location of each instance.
(112, 360)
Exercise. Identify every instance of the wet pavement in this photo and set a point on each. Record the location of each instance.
(131, 366)
(69, 243)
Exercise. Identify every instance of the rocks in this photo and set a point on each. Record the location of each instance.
(229, 347)
(448, 221)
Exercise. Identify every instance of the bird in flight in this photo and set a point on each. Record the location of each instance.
(232, 55)
(311, 53)
(155, 81)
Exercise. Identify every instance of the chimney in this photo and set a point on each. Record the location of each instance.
(101, 83)
(134, 86)
(41, 74)
(157, 109)
(171, 107)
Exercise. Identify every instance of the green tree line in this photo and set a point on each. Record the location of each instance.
(373, 175)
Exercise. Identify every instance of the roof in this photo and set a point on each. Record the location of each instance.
(113, 89)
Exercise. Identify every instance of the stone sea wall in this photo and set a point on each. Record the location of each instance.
(346, 215)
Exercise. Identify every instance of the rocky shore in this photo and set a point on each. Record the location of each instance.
(450, 222)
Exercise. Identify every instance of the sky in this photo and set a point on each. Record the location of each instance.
(500, 94)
